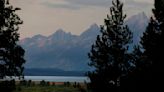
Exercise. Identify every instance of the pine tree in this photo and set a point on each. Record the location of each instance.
(139, 78)
(152, 43)
(11, 54)
(109, 54)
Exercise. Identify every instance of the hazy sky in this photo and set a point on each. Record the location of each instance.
(46, 16)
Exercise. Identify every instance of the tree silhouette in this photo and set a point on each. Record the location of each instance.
(152, 43)
(11, 54)
(109, 54)
(139, 78)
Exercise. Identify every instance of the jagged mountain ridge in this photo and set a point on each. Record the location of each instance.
(60, 50)
(68, 52)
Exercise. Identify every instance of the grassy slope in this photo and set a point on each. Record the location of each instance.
(38, 88)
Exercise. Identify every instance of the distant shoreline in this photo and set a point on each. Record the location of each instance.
(60, 75)
(58, 78)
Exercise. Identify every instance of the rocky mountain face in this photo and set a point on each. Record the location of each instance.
(137, 25)
(68, 52)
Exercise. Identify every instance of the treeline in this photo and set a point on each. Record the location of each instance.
(119, 70)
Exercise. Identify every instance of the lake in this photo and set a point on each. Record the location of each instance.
(58, 78)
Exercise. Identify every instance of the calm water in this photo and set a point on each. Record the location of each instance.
(57, 78)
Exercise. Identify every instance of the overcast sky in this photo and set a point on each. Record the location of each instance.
(46, 16)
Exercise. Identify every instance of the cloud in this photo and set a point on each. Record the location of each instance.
(101, 3)
(145, 1)
(78, 4)
(64, 6)
(107, 3)
(46, 16)
(71, 4)
(138, 3)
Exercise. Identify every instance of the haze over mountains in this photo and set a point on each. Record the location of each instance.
(68, 52)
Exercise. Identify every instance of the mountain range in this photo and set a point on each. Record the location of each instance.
(65, 51)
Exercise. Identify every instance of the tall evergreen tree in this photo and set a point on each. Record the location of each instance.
(109, 54)
(152, 43)
(139, 78)
(11, 54)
